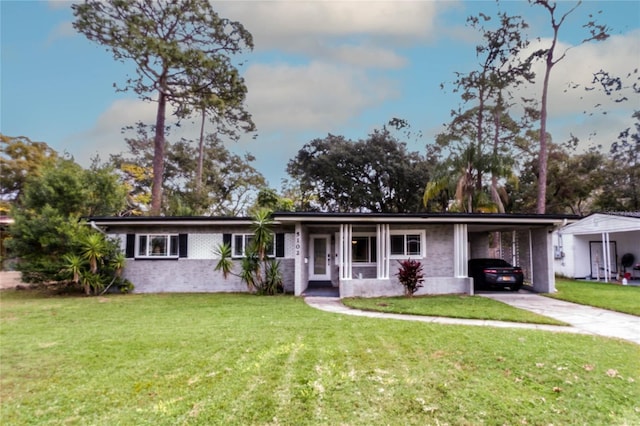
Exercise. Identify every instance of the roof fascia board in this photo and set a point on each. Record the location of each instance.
(184, 222)
(416, 219)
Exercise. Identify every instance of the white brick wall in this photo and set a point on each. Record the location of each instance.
(203, 246)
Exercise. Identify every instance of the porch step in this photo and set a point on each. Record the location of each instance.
(320, 284)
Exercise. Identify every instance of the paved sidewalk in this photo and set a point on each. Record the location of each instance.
(583, 321)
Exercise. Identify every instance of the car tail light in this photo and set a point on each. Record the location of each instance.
(491, 271)
(518, 270)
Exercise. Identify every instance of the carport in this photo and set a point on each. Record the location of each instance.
(602, 246)
(522, 241)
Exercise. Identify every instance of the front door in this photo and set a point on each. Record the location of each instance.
(320, 258)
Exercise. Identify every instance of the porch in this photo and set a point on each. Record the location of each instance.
(357, 254)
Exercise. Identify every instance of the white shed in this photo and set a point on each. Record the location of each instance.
(599, 246)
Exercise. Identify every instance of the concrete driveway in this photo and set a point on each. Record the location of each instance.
(583, 319)
(589, 319)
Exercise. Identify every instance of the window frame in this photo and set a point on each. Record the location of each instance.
(171, 246)
(245, 242)
(405, 233)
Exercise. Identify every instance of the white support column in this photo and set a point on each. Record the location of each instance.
(460, 250)
(530, 258)
(606, 256)
(300, 266)
(345, 252)
(514, 248)
(382, 250)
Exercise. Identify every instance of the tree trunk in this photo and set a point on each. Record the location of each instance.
(541, 202)
(200, 152)
(158, 156)
(495, 196)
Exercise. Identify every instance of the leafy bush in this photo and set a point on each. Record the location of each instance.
(410, 276)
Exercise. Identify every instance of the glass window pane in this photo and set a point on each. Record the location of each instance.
(373, 249)
(238, 245)
(271, 248)
(359, 249)
(142, 245)
(173, 246)
(413, 245)
(159, 245)
(248, 243)
(397, 244)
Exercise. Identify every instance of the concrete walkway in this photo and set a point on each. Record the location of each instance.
(583, 319)
(587, 318)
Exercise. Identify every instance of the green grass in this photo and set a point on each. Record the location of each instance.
(239, 359)
(614, 297)
(455, 306)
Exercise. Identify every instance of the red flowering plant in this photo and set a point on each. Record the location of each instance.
(410, 276)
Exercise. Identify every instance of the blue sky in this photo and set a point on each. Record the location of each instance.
(318, 67)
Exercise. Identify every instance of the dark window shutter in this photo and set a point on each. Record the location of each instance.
(226, 239)
(279, 245)
(182, 244)
(130, 248)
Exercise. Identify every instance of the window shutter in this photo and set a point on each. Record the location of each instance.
(130, 247)
(226, 239)
(279, 245)
(182, 244)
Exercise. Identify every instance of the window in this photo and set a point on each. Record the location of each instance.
(363, 249)
(240, 243)
(407, 243)
(158, 245)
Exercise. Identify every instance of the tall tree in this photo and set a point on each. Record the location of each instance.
(621, 190)
(47, 220)
(480, 138)
(173, 44)
(597, 32)
(378, 174)
(20, 158)
(226, 188)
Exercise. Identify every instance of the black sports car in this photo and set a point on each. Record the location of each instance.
(488, 273)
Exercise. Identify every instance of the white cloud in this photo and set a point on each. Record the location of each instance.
(61, 31)
(361, 33)
(274, 21)
(618, 55)
(365, 56)
(591, 115)
(105, 136)
(313, 97)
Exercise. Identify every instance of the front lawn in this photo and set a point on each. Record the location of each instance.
(610, 296)
(211, 359)
(455, 306)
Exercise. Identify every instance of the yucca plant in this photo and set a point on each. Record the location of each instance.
(261, 274)
(73, 266)
(94, 249)
(273, 277)
(225, 264)
(117, 264)
(91, 281)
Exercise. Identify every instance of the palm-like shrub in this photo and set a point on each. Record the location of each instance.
(410, 276)
(261, 274)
